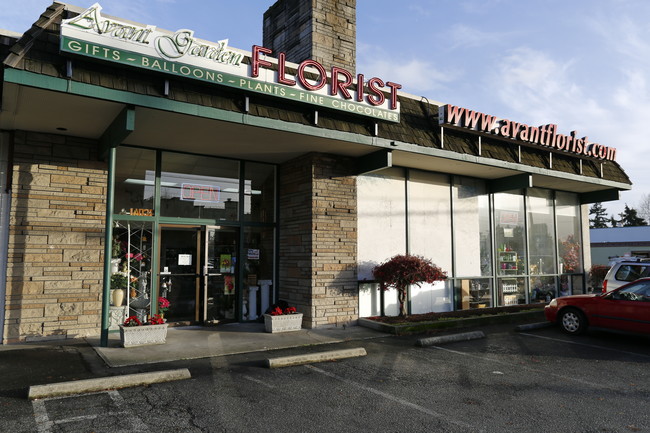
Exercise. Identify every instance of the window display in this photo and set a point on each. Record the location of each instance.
(131, 268)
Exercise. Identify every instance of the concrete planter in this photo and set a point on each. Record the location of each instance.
(283, 323)
(143, 335)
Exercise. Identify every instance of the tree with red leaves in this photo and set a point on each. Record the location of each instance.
(401, 271)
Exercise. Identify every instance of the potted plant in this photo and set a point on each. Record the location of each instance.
(133, 332)
(401, 271)
(163, 306)
(282, 319)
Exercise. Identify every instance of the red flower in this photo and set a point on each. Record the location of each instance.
(156, 319)
(132, 321)
(163, 304)
(277, 311)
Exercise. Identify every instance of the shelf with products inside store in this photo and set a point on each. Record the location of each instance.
(507, 261)
(510, 291)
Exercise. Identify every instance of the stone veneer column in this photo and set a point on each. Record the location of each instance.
(56, 237)
(318, 239)
(322, 30)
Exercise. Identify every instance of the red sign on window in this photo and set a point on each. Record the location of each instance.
(195, 192)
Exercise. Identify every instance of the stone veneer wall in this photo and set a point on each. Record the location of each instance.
(322, 30)
(318, 239)
(56, 238)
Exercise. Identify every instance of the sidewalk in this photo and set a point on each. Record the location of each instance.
(194, 342)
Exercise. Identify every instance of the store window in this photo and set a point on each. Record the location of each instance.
(199, 187)
(381, 219)
(429, 236)
(541, 240)
(259, 192)
(135, 177)
(510, 237)
(258, 271)
(569, 237)
(473, 293)
(473, 254)
(381, 228)
(472, 240)
(541, 245)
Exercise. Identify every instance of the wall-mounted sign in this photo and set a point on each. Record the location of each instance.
(545, 135)
(195, 192)
(180, 53)
(141, 212)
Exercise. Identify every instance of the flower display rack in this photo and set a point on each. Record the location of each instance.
(283, 323)
(131, 336)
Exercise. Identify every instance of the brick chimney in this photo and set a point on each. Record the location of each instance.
(322, 30)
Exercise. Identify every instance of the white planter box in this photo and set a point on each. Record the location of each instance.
(143, 335)
(283, 323)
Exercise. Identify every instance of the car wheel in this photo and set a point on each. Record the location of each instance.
(573, 321)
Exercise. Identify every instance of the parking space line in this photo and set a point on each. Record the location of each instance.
(586, 345)
(513, 364)
(395, 399)
(45, 424)
(259, 382)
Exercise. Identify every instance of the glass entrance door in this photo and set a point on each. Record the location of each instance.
(180, 265)
(198, 268)
(219, 276)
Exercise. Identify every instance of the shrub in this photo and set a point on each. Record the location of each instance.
(401, 271)
(597, 275)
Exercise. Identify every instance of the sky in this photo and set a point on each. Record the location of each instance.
(581, 64)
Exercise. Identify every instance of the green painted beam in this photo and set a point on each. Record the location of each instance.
(108, 243)
(509, 183)
(61, 85)
(118, 130)
(375, 161)
(599, 196)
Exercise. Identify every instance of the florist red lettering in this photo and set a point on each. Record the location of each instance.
(341, 79)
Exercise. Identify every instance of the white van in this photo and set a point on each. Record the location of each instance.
(624, 272)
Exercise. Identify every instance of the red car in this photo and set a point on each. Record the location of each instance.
(626, 309)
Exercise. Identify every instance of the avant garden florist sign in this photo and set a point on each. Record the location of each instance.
(544, 135)
(180, 53)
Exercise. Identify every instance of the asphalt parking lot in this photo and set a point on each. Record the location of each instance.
(534, 381)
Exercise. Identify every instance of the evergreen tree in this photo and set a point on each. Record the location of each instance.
(613, 222)
(629, 218)
(599, 220)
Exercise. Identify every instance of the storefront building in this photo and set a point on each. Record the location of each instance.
(143, 163)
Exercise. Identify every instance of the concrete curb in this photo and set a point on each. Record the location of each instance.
(332, 355)
(104, 383)
(531, 326)
(464, 322)
(463, 336)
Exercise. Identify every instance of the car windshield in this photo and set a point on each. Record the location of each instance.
(638, 291)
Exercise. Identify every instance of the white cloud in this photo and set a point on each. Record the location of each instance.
(416, 75)
(533, 84)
